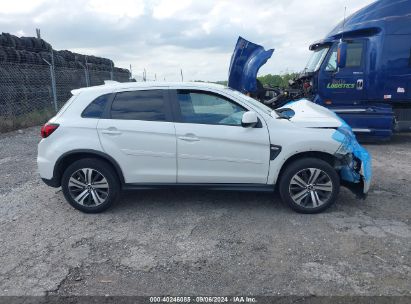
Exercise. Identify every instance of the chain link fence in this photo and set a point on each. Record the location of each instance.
(35, 80)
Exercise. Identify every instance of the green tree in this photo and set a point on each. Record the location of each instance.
(276, 80)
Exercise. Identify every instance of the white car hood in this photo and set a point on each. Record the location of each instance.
(309, 114)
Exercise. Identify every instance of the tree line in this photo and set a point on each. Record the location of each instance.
(270, 80)
(276, 80)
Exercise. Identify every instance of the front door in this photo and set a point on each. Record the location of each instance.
(344, 87)
(139, 135)
(212, 146)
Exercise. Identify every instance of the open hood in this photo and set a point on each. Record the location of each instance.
(311, 115)
(245, 62)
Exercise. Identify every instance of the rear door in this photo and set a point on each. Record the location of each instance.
(212, 146)
(139, 134)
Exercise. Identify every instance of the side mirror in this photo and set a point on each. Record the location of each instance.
(341, 54)
(285, 113)
(249, 119)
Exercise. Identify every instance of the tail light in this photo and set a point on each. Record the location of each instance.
(48, 129)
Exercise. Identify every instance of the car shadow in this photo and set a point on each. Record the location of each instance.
(196, 199)
(184, 200)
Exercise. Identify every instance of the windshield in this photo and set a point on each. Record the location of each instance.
(254, 102)
(316, 59)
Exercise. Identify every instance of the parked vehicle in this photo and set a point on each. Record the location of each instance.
(151, 135)
(360, 70)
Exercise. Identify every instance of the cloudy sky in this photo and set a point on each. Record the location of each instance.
(164, 35)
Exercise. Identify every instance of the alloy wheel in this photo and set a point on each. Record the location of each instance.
(88, 187)
(311, 188)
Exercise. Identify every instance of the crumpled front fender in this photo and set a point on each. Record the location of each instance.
(355, 171)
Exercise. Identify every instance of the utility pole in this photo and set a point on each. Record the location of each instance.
(181, 72)
(38, 33)
(131, 72)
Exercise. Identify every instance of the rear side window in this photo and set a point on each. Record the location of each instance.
(96, 108)
(139, 105)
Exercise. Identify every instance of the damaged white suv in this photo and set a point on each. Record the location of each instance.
(154, 135)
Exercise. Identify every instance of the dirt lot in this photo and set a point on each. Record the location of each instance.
(203, 243)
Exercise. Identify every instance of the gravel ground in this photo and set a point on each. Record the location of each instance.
(203, 243)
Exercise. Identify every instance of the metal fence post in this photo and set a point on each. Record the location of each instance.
(111, 72)
(53, 80)
(85, 74)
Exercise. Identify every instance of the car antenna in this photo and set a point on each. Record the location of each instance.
(343, 27)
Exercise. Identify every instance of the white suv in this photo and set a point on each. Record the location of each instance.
(151, 135)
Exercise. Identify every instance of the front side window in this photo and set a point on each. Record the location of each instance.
(208, 108)
(96, 108)
(332, 62)
(139, 105)
(354, 56)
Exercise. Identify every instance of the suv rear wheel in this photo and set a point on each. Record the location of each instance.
(90, 185)
(309, 185)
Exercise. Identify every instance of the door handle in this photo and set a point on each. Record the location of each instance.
(360, 84)
(189, 137)
(111, 131)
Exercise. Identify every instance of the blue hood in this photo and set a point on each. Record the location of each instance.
(245, 62)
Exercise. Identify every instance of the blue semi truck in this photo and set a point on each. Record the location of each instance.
(361, 70)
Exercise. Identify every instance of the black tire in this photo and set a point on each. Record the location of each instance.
(313, 200)
(100, 167)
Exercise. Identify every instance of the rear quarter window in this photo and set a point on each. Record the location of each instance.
(96, 108)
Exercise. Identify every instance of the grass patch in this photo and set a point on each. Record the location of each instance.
(26, 120)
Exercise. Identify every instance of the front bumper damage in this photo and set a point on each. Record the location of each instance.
(355, 162)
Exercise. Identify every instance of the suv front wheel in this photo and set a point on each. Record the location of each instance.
(90, 185)
(309, 185)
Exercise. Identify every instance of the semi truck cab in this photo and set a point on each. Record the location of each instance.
(361, 70)
(371, 90)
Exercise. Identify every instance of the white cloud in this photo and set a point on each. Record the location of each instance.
(169, 8)
(117, 9)
(21, 33)
(19, 7)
